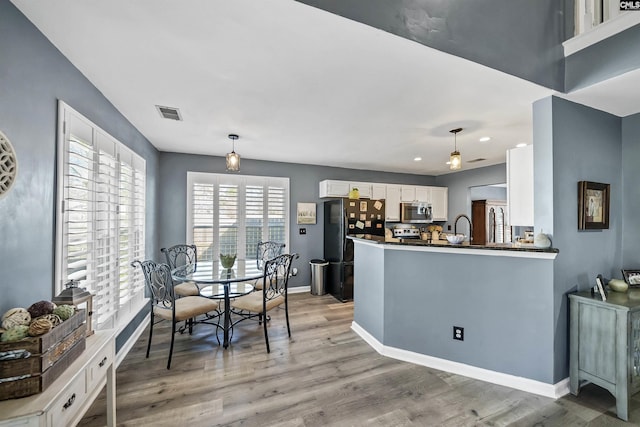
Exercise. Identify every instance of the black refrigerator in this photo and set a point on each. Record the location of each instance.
(343, 217)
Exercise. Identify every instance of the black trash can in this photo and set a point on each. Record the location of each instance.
(318, 276)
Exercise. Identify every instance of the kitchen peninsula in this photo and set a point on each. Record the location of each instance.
(410, 295)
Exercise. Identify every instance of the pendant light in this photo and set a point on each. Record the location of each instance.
(455, 159)
(233, 158)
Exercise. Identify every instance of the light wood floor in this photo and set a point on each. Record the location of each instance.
(324, 376)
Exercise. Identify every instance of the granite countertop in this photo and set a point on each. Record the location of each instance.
(445, 244)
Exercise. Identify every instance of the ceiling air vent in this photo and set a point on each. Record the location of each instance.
(169, 112)
(479, 159)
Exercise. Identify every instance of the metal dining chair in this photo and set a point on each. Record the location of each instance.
(165, 306)
(273, 294)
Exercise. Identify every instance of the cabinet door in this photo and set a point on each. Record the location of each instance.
(378, 191)
(392, 203)
(423, 194)
(364, 188)
(440, 203)
(408, 193)
(520, 185)
(332, 188)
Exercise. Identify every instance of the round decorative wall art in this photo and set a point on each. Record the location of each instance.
(8, 165)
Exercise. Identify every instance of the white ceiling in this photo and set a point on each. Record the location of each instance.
(296, 83)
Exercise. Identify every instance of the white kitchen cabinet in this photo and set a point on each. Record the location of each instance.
(439, 203)
(364, 189)
(408, 193)
(378, 191)
(333, 188)
(392, 203)
(423, 194)
(520, 185)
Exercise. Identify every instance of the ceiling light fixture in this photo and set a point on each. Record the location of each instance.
(522, 144)
(417, 159)
(485, 139)
(233, 159)
(455, 158)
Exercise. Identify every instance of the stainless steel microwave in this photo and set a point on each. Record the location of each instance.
(416, 213)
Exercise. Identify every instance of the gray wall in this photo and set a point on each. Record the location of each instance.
(488, 192)
(584, 145)
(630, 191)
(520, 37)
(459, 194)
(33, 76)
(303, 185)
(507, 318)
(609, 58)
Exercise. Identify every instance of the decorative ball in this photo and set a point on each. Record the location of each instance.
(64, 311)
(53, 318)
(14, 317)
(39, 326)
(41, 308)
(15, 334)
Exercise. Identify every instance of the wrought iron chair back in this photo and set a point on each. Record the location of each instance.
(266, 251)
(158, 280)
(276, 277)
(179, 255)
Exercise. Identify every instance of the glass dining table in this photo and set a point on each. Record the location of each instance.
(217, 282)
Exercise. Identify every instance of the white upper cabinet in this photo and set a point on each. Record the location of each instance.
(393, 194)
(378, 191)
(423, 194)
(439, 203)
(364, 189)
(392, 203)
(331, 188)
(520, 185)
(408, 193)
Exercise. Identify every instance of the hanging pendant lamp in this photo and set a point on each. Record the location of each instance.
(233, 158)
(455, 159)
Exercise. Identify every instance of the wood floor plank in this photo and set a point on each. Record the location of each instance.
(324, 375)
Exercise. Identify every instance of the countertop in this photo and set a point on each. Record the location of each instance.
(445, 244)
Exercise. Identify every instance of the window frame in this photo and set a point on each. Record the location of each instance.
(102, 208)
(242, 181)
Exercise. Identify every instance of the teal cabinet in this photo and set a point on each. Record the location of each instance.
(605, 344)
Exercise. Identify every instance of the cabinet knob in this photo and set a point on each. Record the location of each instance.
(101, 364)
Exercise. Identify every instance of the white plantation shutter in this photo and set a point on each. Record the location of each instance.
(100, 226)
(232, 213)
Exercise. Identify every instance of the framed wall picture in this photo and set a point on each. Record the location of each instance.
(593, 205)
(306, 213)
(632, 277)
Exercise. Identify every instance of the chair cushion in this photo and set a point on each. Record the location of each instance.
(187, 307)
(253, 302)
(186, 289)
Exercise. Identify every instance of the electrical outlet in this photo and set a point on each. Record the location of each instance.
(303, 231)
(448, 227)
(458, 333)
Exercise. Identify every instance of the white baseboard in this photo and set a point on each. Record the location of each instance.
(124, 350)
(553, 391)
(299, 289)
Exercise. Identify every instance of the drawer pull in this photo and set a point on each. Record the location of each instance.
(101, 364)
(70, 401)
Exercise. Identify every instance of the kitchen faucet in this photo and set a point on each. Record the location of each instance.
(455, 226)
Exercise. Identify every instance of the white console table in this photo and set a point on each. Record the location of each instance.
(65, 401)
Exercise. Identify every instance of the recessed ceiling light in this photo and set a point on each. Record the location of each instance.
(447, 163)
(417, 159)
(522, 144)
(485, 139)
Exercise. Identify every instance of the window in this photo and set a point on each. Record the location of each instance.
(100, 218)
(232, 213)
